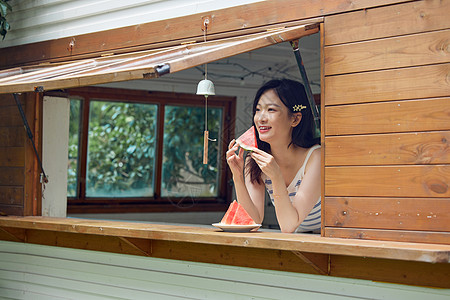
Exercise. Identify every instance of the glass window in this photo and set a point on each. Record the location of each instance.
(184, 174)
(121, 149)
(138, 151)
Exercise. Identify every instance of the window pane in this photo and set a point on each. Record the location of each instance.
(183, 173)
(121, 149)
(74, 139)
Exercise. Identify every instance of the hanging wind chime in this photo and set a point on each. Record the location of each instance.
(206, 88)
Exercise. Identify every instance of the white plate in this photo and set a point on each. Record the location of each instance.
(236, 228)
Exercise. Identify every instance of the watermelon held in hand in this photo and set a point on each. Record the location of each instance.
(247, 140)
(236, 215)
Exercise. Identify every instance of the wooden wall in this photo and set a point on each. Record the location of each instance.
(387, 123)
(18, 164)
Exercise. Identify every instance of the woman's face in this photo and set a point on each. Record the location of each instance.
(272, 119)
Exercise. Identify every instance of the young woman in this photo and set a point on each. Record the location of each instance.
(287, 161)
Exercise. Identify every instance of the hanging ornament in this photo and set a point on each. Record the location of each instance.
(206, 88)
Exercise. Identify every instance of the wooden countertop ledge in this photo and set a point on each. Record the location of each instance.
(431, 253)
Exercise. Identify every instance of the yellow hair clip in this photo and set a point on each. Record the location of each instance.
(298, 107)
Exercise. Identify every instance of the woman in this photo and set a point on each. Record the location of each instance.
(287, 161)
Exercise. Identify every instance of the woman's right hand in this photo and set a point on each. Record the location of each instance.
(235, 160)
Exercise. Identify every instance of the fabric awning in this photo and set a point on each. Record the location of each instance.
(142, 64)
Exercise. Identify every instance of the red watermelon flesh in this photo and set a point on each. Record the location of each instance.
(236, 215)
(229, 215)
(248, 139)
(242, 217)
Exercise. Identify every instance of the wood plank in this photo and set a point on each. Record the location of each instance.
(395, 116)
(422, 214)
(397, 52)
(32, 187)
(408, 83)
(81, 241)
(11, 195)
(10, 116)
(263, 240)
(11, 176)
(235, 256)
(8, 210)
(388, 149)
(429, 237)
(12, 136)
(388, 181)
(319, 262)
(385, 21)
(12, 156)
(176, 30)
(386, 270)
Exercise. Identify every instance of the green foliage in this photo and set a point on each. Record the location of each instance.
(183, 145)
(4, 9)
(74, 135)
(121, 148)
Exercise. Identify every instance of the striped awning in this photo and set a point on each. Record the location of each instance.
(141, 64)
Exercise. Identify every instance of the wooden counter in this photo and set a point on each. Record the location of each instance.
(306, 253)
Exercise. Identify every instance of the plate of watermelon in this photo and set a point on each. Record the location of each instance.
(236, 219)
(247, 140)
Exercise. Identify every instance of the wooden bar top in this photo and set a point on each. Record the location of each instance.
(420, 252)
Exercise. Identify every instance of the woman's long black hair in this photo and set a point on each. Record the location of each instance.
(291, 93)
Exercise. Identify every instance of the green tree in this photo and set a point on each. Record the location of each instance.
(4, 9)
(121, 148)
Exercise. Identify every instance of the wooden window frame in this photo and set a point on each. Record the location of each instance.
(157, 203)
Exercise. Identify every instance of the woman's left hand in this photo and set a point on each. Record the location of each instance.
(266, 163)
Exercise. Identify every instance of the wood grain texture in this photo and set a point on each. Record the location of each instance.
(406, 83)
(391, 271)
(386, 21)
(182, 29)
(386, 117)
(11, 176)
(12, 136)
(421, 214)
(389, 149)
(388, 181)
(12, 156)
(11, 196)
(10, 116)
(396, 52)
(429, 237)
(263, 240)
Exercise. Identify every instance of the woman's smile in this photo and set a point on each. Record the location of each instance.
(263, 129)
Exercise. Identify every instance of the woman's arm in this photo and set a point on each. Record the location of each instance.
(249, 195)
(310, 187)
(291, 214)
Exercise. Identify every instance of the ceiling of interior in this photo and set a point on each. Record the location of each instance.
(250, 70)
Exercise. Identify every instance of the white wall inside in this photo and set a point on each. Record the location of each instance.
(55, 143)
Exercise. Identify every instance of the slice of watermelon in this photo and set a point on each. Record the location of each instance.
(247, 140)
(229, 215)
(241, 217)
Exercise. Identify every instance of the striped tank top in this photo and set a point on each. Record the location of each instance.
(313, 220)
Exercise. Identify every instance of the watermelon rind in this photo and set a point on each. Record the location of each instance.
(245, 147)
(247, 140)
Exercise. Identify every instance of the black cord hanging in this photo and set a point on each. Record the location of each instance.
(30, 136)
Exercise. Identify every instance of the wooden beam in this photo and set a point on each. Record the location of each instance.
(145, 246)
(177, 30)
(432, 253)
(320, 262)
